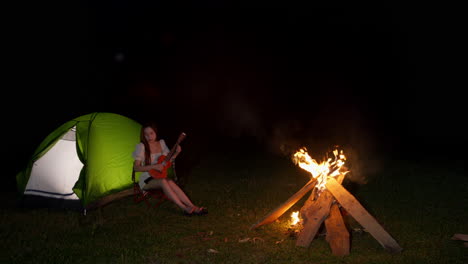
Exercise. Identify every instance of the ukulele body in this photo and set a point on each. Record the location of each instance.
(166, 161)
(161, 174)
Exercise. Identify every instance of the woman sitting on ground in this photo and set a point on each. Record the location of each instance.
(146, 156)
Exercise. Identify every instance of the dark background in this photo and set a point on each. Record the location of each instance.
(379, 79)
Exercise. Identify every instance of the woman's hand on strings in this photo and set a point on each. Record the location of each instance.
(158, 167)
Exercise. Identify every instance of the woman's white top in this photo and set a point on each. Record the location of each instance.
(139, 154)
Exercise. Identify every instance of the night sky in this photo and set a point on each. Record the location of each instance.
(375, 78)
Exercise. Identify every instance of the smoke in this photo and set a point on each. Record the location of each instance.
(323, 132)
(240, 117)
(284, 138)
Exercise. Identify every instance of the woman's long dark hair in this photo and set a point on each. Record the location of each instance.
(145, 142)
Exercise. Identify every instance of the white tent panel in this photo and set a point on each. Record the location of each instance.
(55, 173)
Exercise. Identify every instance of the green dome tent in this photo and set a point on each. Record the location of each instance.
(80, 162)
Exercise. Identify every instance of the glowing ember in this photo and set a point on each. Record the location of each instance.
(295, 218)
(328, 168)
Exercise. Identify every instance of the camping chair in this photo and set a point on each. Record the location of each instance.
(157, 194)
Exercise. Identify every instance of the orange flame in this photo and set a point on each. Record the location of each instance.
(328, 168)
(295, 218)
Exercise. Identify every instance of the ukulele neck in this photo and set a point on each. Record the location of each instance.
(173, 150)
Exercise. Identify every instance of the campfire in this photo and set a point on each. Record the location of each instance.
(323, 206)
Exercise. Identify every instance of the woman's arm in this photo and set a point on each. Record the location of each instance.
(137, 166)
(139, 155)
(166, 150)
(178, 150)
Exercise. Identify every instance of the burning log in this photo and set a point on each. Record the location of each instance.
(313, 214)
(357, 211)
(323, 171)
(326, 183)
(337, 234)
(278, 211)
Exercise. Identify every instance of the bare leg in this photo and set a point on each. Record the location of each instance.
(164, 185)
(182, 196)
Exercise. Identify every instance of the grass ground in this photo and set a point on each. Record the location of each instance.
(420, 205)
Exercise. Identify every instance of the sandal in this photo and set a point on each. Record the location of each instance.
(200, 211)
(192, 212)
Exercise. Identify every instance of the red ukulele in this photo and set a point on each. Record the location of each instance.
(166, 160)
